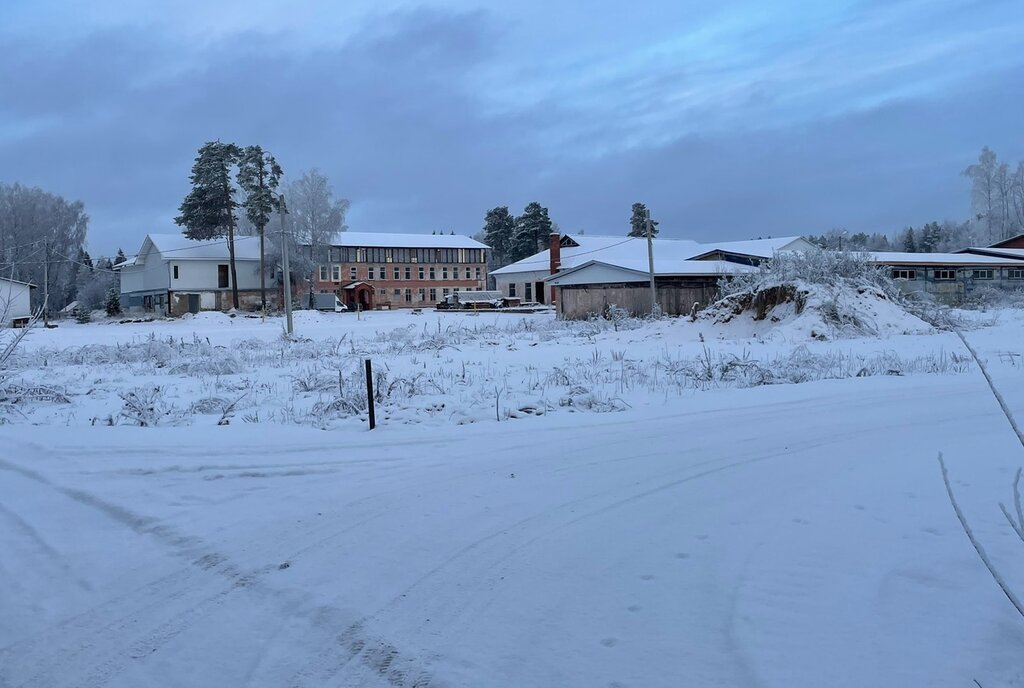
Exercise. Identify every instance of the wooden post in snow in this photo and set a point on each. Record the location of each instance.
(369, 393)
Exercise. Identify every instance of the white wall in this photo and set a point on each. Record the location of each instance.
(520, 279)
(200, 275)
(14, 301)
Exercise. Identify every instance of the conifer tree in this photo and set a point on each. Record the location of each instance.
(498, 228)
(208, 211)
(531, 232)
(638, 222)
(259, 176)
(120, 258)
(112, 304)
(909, 245)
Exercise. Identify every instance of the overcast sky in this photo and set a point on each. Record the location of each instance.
(730, 119)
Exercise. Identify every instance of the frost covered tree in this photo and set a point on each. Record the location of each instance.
(315, 218)
(638, 222)
(94, 283)
(499, 224)
(531, 232)
(259, 176)
(112, 302)
(38, 228)
(208, 211)
(909, 244)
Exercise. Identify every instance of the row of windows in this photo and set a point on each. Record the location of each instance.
(421, 294)
(351, 254)
(950, 274)
(373, 272)
(527, 290)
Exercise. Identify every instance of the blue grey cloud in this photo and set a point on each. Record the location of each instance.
(729, 122)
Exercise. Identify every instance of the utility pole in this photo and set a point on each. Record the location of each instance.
(287, 291)
(650, 261)
(46, 283)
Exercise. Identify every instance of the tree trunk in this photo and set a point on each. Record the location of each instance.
(263, 275)
(231, 261)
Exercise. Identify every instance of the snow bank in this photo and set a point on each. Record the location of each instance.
(801, 310)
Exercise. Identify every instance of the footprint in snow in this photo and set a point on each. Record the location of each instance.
(610, 642)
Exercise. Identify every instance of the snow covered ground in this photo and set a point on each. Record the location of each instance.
(591, 506)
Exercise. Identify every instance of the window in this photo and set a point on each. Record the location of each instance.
(455, 273)
(336, 273)
(478, 273)
(175, 272)
(945, 274)
(370, 273)
(982, 274)
(323, 273)
(408, 272)
(528, 291)
(398, 273)
(352, 274)
(422, 293)
(456, 290)
(512, 288)
(222, 276)
(408, 295)
(433, 294)
(444, 292)
(383, 272)
(1015, 273)
(444, 273)
(421, 271)
(432, 272)
(904, 274)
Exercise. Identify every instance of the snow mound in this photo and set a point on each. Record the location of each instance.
(803, 310)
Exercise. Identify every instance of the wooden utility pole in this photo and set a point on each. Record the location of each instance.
(46, 283)
(287, 273)
(650, 262)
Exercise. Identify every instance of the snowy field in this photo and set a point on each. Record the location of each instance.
(200, 503)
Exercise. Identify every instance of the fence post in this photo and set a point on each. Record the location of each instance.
(369, 393)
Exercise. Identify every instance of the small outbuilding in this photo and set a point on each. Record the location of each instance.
(15, 302)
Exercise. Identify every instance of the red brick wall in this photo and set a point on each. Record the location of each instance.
(384, 289)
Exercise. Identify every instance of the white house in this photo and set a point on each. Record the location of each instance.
(15, 302)
(175, 275)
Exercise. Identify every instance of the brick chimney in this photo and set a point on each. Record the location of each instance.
(555, 249)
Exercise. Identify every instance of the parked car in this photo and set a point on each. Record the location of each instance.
(329, 302)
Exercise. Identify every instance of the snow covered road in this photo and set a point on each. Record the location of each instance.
(778, 536)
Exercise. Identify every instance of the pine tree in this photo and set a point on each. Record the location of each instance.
(112, 304)
(120, 257)
(208, 211)
(531, 232)
(638, 222)
(498, 227)
(909, 245)
(259, 176)
(85, 259)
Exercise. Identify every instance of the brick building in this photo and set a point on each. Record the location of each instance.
(372, 270)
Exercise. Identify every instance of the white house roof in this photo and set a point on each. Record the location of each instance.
(758, 248)
(391, 240)
(1017, 253)
(598, 271)
(952, 259)
(14, 281)
(178, 247)
(608, 249)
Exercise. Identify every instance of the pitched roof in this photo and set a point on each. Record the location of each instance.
(392, 240)
(951, 259)
(178, 247)
(619, 250)
(609, 249)
(600, 272)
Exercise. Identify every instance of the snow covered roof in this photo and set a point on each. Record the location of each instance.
(14, 281)
(608, 249)
(178, 247)
(392, 240)
(601, 272)
(1017, 253)
(758, 248)
(477, 296)
(951, 259)
(619, 250)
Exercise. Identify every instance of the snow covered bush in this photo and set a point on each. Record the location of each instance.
(818, 294)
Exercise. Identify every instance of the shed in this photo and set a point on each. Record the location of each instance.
(15, 302)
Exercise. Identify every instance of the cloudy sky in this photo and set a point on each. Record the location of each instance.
(729, 118)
